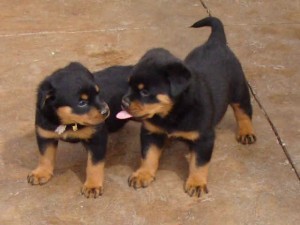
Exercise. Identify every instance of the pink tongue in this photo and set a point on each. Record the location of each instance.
(123, 115)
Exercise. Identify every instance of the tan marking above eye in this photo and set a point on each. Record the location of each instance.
(97, 88)
(141, 86)
(84, 97)
(163, 98)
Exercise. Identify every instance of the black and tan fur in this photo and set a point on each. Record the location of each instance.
(186, 100)
(85, 105)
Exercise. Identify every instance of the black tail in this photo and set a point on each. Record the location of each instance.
(217, 33)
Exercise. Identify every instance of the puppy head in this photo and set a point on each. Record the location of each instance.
(70, 95)
(157, 81)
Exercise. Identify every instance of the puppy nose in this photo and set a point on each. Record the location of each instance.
(125, 102)
(105, 111)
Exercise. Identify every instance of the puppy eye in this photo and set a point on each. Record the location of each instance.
(82, 103)
(144, 93)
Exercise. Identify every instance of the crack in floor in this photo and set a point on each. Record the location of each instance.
(278, 137)
(205, 7)
(117, 29)
(208, 11)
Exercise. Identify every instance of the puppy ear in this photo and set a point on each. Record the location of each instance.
(179, 77)
(45, 94)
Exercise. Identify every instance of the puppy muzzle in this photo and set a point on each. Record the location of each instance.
(125, 102)
(105, 111)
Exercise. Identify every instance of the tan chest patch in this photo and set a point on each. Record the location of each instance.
(93, 117)
(188, 135)
(152, 128)
(83, 134)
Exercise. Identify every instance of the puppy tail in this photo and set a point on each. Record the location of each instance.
(217, 33)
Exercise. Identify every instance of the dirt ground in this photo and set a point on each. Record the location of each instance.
(248, 184)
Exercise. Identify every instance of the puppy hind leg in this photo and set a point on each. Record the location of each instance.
(242, 109)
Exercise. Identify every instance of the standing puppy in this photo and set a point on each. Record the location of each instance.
(74, 105)
(185, 100)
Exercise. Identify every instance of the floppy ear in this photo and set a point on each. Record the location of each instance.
(45, 94)
(179, 77)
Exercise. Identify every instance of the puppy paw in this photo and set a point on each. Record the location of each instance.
(91, 191)
(195, 188)
(246, 139)
(140, 178)
(39, 176)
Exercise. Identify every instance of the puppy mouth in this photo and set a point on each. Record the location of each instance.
(123, 115)
(92, 118)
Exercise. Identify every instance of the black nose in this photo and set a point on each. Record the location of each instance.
(125, 102)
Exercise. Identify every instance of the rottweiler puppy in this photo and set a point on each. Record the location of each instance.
(186, 100)
(74, 105)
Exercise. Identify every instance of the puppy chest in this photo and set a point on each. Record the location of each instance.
(187, 135)
(174, 133)
(68, 135)
(82, 134)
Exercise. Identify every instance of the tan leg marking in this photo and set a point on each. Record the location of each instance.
(245, 133)
(93, 185)
(84, 97)
(197, 180)
(44, 171)
(143, 176)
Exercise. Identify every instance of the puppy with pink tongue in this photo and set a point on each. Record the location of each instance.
(123, 115)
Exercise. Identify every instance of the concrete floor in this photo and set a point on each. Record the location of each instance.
(248, 184)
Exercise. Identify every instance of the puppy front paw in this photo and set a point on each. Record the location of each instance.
(39, 176)
(91, 191)
(194, 187)
(246, 139)
(140, 178)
